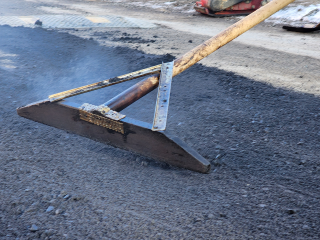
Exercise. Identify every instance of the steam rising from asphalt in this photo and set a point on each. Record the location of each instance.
(51, 62)
(85, 67)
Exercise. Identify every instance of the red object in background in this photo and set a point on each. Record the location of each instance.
(216, 8)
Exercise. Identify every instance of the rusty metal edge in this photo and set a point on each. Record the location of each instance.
(138, 136)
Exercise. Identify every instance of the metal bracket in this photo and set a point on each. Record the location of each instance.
(101, 121)
(162, 106)
(104, 110)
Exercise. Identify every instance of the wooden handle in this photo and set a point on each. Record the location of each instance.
(122, 101)
(232, 32)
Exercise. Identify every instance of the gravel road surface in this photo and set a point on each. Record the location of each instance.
(252, 111)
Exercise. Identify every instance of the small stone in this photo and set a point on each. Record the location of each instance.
(76, 198)
(58, 211)
(38, 22)
(265, 189)
(300, 143)
(302, 162)
(197, 219)
(143, 163)
(50, 232)
(190, 41)
(291, 211)
(63, 193)
(34, 228)
(50, 208)
(66, 197)
(66, 214)
(288, 192)
(262, 205)
(305, 227)
(210, 216)
(218, 162)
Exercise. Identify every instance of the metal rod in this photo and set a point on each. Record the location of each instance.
(142, 88)
(133, 93)
(104, 83)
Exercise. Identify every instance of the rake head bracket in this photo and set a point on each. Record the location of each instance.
(103, 110)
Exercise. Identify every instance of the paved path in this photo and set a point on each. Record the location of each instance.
(251, 110)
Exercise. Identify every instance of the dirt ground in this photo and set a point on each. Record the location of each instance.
(258, 126)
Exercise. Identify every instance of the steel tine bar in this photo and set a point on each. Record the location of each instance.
(104, 83)
(162, 105)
